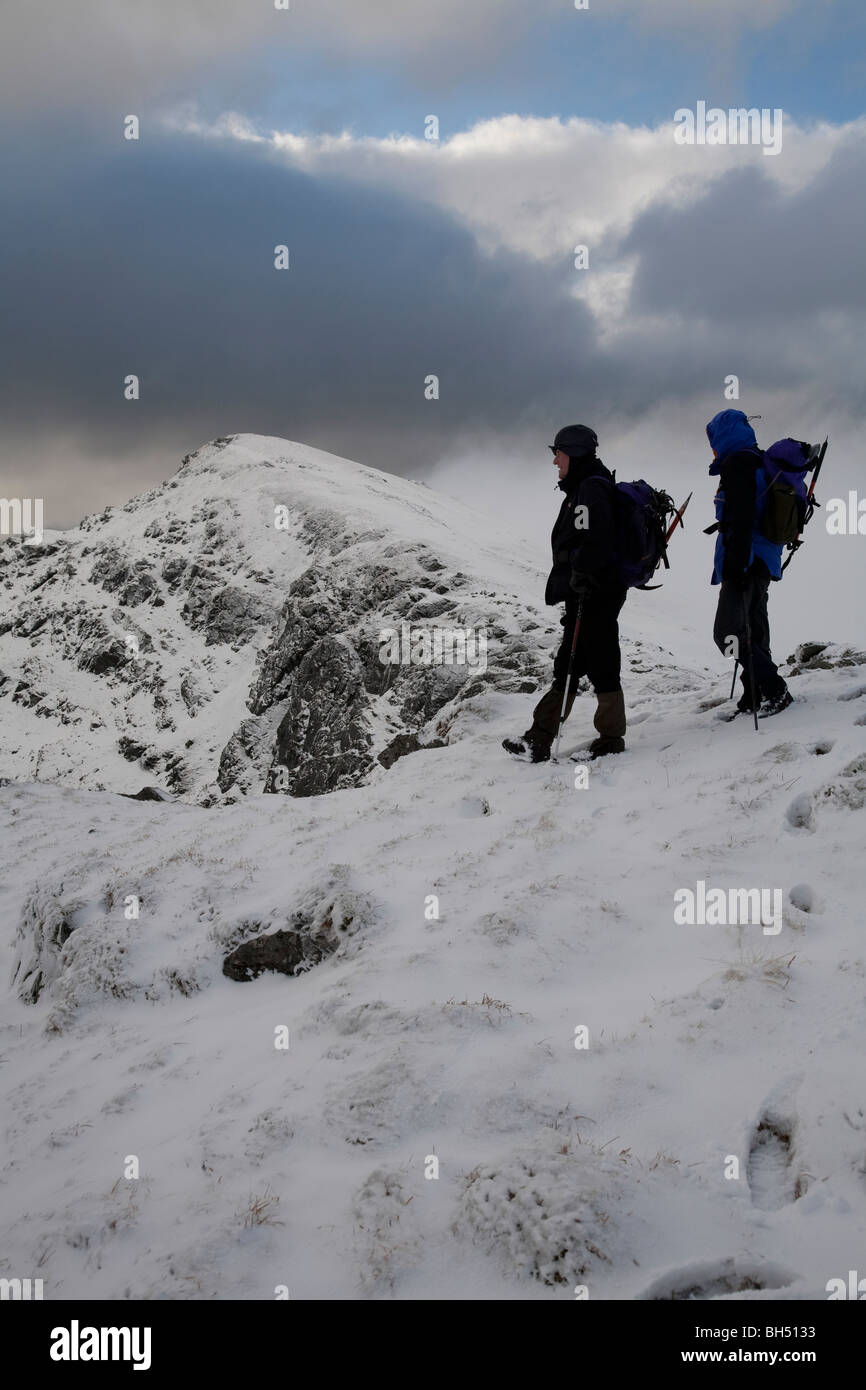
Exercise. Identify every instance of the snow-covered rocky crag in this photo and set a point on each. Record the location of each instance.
(428, 1026)
(228, 623)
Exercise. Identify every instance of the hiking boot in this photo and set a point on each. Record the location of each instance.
(745, 704)
(600, 747)
(776, 704)
(527, 750)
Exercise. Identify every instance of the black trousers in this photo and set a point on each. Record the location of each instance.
(598, 655)
(731, 622)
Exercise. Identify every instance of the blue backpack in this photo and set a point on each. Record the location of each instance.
(642, 514)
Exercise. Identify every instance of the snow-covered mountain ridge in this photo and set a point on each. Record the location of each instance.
(228, 622)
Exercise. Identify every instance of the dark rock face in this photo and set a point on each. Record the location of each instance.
(322, 742)
(424, 690)
(235, 617)
(324, 667)
(102, 653)
(239, 755)
(133, 582)
(174, 568)
(224, 614)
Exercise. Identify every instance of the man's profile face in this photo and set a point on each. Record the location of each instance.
(561, 461)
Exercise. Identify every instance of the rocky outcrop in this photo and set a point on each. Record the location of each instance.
(325, 665)
(402, 744)
(822, 656)
(286, 952)
(322, 741)
(131, 581)
(328, 916)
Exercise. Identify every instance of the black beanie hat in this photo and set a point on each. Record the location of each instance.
(575, 440)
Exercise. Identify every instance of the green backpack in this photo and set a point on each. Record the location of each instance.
(784, 509)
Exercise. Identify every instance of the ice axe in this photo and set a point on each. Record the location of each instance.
(678, 518)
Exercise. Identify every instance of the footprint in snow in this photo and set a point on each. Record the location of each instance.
(771, 1169)
(824, 745)
(800, 815)
(640, 718)
(712, 702)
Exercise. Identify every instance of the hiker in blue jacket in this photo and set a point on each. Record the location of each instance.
(745, 561)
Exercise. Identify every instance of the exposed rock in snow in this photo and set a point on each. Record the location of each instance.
(318, 928)
(42, 932)
(823, 656)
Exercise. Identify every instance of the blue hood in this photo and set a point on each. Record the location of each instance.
(728, 431)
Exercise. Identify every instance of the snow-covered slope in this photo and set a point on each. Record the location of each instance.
(448, 925)
(228, 622)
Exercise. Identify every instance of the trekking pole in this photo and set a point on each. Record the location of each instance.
(734, 679)
(751, 657)
(568, 675)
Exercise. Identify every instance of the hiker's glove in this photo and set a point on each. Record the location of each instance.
(582, 584)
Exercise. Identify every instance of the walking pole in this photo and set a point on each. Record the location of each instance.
(734, 679)
(751, 657)
(568, 675)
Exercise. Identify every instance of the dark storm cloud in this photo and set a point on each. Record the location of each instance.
(156, 258)
(158, 261)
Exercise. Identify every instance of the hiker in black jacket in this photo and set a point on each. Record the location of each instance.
(584, 568)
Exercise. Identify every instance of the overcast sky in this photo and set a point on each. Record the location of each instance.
(306, 127)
